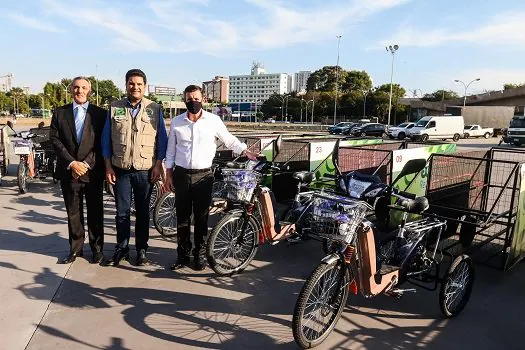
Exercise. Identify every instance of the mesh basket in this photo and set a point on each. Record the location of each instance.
(237, 184)
(336, 218)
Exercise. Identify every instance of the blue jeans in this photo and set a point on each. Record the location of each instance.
(138, 182)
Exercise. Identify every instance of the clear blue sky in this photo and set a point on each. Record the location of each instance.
(177, 42)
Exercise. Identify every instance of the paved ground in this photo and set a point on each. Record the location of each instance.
(82, 306)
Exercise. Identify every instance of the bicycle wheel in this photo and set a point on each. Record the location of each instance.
(455, 291)
(227, 254)
(165, 215)
(22, 177)
(154, 196)
(320, 304)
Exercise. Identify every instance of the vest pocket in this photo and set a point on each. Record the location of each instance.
(148, 127)
(146, 151)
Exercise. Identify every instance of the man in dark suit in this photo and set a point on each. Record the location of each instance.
(76, 131)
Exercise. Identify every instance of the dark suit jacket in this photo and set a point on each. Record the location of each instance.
(63, 135)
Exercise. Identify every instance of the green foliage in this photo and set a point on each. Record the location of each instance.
(509, 86)
(440, 95)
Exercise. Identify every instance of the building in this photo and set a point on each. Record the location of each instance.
(168, 98)
(300, 80)
(511, 97)
(216, 90)
(257, 86)
(291, 85)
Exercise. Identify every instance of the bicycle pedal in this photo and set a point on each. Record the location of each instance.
(294, 240)
(401, 291)
(275, 242)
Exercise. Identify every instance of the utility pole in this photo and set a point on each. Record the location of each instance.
(336, 78)
(26, 89)
(96, 80)
(392, 49)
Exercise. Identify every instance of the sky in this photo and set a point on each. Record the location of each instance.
(181, 42)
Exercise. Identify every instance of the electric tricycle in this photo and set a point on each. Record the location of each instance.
(363, 259)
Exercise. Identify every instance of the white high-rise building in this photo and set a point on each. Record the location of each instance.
(300, 80)
(258, 86)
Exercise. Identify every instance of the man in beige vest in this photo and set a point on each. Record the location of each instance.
(134, 144)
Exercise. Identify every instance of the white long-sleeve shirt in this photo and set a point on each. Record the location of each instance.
(191, 145)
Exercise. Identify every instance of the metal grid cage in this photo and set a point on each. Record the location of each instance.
(336, 218)
(237, 184)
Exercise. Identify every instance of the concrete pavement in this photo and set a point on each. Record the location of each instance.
(84, 306)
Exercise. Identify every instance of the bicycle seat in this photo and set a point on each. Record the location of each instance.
(235, 165)
(304, 176)
(363, 177)
(416, 206)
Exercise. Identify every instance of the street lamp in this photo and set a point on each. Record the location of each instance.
(65, 90)
(306, 112)
(337, 77)
(392, 49)
(365, 93)
(26, 89)
(466, 87)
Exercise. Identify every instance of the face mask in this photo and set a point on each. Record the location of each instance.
(193, 106)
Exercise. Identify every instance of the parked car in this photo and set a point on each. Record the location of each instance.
(400, 131)
(437, 128)
(356, 125)
(340, 128)
(370, 129)
(477, 131)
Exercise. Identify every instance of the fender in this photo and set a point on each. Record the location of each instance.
(257, 222)
(330, 259)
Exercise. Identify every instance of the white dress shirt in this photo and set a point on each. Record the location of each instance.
(85, 106)
(191, 145)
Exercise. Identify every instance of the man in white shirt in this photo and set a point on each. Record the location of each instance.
(191, 149)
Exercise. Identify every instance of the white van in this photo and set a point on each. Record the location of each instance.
(437, 128)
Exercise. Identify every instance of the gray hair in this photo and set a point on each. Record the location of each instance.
(80, 77)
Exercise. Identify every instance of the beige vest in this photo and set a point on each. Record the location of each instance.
(133, 138)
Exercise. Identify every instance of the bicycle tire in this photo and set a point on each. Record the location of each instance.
(222, 266)
(166, 226)
(302, 302)
(450, 281)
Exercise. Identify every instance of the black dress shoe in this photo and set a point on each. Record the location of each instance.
(180, 263)
(118, 256)
(70, 258)
(200, 264)
(142, 259)
(97, 258)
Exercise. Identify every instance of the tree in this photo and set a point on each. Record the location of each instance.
(440, 95)
(107, 91)
(509, 86)
(380, 100)
(356, 80)
(324, 79)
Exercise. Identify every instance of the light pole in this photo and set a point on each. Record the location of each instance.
(392, 49)
(65, 90)
(96, 80)
(26, 89)
(337, 77)
(365, 93)
(306, 112)
(466, 87)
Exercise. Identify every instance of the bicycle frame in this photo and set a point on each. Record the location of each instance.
(271, 228)
(363, 261)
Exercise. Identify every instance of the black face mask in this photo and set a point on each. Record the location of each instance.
(194, 107)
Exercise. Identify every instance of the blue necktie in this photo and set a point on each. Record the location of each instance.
(80, 116)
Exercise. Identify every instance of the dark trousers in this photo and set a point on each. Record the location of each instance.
(74, 193)
(136, 181)
(192, 194)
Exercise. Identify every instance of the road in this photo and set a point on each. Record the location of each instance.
(84, 306)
